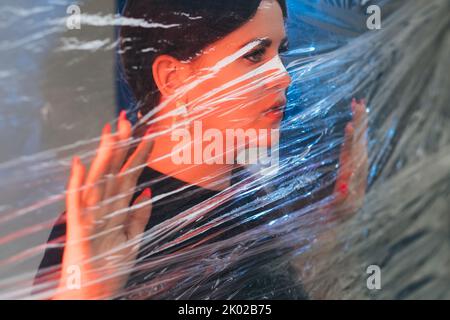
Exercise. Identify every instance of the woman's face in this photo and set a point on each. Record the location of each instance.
(239, 82)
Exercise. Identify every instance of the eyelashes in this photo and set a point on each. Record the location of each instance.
(257, 54)
(283, 48)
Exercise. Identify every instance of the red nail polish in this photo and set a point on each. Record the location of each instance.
(343, 188)
(147, 193)
(150, 130)
(123, 115)
(107, 129)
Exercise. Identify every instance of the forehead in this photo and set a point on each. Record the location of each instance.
(268, 22)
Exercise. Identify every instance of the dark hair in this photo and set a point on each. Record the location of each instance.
(180, 28)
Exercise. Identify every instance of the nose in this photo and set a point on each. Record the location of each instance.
(279, 77)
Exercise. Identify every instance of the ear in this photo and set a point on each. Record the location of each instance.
(169, 74)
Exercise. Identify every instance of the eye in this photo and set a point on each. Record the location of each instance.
(284, 47)
(256, 55)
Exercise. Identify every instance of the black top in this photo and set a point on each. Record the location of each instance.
(258, 280)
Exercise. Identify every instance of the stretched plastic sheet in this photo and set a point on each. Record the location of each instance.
(341, 191)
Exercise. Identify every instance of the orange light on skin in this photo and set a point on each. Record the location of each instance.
(237, 82)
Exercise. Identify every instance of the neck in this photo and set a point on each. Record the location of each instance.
(209, 176)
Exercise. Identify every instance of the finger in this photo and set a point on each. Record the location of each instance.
(73, 197)
(100, 165)
(361, 166)
(345, 163)
(359, 120)
(119, 155)
(359, 151)
(356, 110)
(139, 215)
(120, 152)
(347, 146)
(136, 162)
(126, 182)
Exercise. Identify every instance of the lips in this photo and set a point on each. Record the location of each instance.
(276, 111)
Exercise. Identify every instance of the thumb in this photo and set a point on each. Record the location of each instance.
(140, 213)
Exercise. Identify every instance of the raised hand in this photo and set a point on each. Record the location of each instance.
(351, 181)
(103, 230)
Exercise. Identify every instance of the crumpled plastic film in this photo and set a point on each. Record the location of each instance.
(274, 232)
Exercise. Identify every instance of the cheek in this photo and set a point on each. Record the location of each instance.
(230, 99)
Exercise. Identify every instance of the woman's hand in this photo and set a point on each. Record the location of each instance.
(348, 198)
(351, 181)
(103, 231)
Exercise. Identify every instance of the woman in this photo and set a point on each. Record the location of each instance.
(213, 64)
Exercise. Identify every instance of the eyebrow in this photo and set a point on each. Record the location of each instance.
(265, 42)
(260, 42)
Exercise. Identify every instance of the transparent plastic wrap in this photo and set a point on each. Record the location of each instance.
(253, 150)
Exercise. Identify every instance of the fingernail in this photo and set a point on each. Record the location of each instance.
(107, 129)
(349, 128)
(123, 115)
(343, 188)
(149, 131)
(147, 193)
